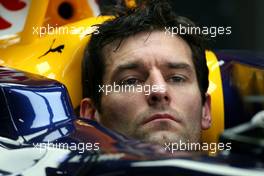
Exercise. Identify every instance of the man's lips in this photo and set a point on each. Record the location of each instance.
(160, 117)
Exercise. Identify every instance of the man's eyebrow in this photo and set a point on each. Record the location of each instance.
(135, 65)
(126, 66)
(175, 65)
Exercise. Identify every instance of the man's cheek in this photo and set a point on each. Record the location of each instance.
(118, 106)
(187, 104)
(129, 100)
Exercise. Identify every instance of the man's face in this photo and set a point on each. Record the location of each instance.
(172, 113)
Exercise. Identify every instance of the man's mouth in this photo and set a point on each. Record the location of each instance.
(160, 117)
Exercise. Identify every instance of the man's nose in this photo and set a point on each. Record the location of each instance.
(158, 95)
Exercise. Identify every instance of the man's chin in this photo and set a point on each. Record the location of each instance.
(162, 137)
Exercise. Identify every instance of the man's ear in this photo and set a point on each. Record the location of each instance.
(87, 109)
(206, 114)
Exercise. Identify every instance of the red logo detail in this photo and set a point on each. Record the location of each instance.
(12, 5)
(4, 24)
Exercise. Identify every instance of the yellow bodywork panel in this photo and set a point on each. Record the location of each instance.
(57, 56)
(80, 10)
(217, 100)
(252, 78)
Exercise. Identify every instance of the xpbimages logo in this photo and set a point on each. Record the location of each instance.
(116, 88)
(212, 31)
(72, 146)
(196, 146)
(62, 30)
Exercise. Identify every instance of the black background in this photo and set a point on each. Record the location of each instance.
(246, 17)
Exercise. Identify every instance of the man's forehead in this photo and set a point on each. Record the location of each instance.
(148, 47)
(144, 38)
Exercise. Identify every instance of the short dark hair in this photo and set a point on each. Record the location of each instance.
(146, 17)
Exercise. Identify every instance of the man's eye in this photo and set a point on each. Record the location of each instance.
(130, 81)
(177, 79)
